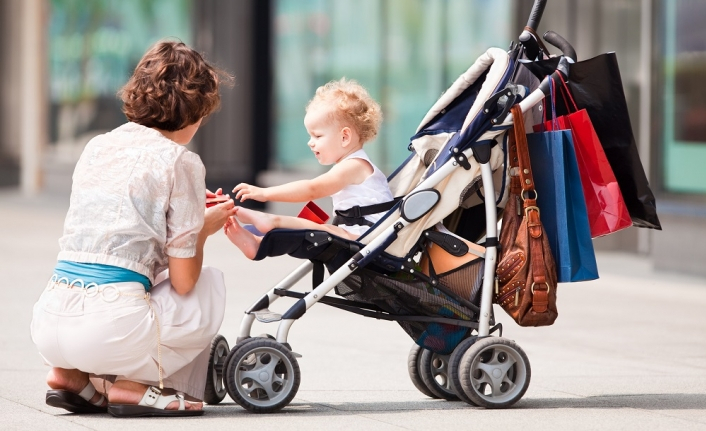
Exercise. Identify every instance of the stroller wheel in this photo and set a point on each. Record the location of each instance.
(215, 386)
(414, 372)
(495, 372)
(232, 352)
(454, 366)
(226, 366)
(434, 370)
(263, 376)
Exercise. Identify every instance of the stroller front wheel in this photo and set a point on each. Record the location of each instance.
(215, 386)
(495, 372)
(263, 376)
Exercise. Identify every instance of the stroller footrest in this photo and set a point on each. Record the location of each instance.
(267, 316)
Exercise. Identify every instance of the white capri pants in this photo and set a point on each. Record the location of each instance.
(118, 330)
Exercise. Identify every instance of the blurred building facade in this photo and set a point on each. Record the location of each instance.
(62, 61)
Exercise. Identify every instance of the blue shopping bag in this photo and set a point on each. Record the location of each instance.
(562, 205)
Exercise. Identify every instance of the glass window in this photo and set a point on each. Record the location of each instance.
(685, 96)
(93, 48)
(405, 52)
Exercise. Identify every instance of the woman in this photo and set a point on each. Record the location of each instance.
(129, 300)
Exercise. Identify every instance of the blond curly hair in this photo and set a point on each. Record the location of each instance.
(352, 105)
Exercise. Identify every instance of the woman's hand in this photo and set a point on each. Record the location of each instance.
(244, 191)
(216, 216)
(210, 194)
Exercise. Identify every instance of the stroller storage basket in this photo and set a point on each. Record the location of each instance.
(405, 293)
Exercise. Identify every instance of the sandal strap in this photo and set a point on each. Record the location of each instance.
(153, 398)
(89, 392)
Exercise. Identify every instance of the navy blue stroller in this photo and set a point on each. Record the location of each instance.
(428, 264)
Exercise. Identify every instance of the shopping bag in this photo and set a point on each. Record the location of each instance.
(562, 205)
(607, 212)
(597, 87)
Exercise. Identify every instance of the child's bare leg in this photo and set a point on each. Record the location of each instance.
(242, 238)
(265, 222)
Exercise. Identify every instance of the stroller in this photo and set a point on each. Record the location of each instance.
(429, 263)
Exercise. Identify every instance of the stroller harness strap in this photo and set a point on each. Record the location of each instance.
(356, 215)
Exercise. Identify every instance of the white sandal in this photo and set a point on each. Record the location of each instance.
(76, 403)
(153, 403)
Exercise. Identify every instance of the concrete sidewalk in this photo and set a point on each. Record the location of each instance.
(627, 352)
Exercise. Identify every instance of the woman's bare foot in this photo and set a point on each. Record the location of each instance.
(262, 221)
(127, 392)
(71, 380)
(243, 239)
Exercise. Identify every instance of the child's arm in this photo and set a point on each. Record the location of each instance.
(351, 171)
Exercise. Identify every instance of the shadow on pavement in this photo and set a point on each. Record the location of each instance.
(619, 401)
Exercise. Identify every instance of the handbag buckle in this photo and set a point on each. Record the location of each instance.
(522, 194)
(532, 208)
(532, 287)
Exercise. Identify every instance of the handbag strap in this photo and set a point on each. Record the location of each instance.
(523, 161)
(539, 287)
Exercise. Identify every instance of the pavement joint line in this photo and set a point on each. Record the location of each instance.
(364, 413)
(57, 416)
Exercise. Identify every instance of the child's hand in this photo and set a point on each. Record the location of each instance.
(245, 191)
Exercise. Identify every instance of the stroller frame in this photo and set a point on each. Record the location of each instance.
(259, 352)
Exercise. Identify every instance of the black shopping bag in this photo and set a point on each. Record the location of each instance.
(598, 88)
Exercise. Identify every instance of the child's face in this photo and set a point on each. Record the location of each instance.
(327, 138)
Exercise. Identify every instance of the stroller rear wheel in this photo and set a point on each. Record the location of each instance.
(262, 375)
(455, 365)
(413, 363)
(495, 372)
(215, 385)
(434, 370)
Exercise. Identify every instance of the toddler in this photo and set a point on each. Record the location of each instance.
(339, 119)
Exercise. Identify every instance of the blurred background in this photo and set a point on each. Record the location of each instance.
(62, 62)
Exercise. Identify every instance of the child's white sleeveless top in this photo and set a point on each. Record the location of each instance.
(373, 190)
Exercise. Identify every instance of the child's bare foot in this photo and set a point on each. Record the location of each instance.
(262, 221)
(243, 239)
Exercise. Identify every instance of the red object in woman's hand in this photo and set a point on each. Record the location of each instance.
(216, 200)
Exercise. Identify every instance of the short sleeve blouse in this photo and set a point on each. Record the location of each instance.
(137, 198)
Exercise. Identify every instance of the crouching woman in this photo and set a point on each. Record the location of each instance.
(129, 304)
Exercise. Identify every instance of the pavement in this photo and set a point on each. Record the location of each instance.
(628, 351)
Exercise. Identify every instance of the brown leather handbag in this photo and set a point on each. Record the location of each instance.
(526, 273)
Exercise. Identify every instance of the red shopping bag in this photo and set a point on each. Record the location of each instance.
(607, 212)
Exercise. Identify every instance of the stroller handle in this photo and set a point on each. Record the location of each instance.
(528, 38)
(555, 39)
(536, 14)
(534, 18)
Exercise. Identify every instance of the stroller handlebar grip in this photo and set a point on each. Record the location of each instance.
(535, 16)
(556, 40)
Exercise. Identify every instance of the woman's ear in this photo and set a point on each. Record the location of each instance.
(346, 136)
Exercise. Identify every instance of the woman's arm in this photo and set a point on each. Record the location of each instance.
(185, 272)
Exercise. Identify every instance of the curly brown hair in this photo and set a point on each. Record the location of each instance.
(351, 104)
(172, 87)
